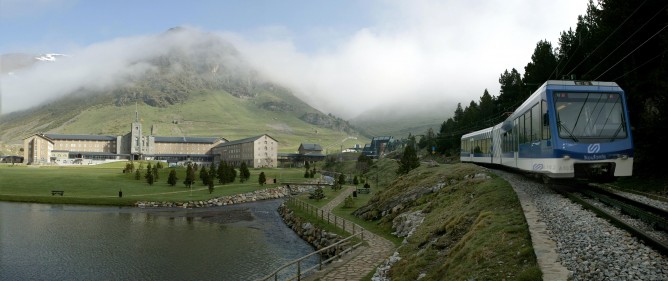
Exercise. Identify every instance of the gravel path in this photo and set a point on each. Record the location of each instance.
(590, 247)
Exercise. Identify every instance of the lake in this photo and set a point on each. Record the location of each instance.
(70, 242)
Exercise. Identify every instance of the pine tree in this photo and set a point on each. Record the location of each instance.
(356, 181)
(156, 175)
(341, 181)
(190, 176)
(262, 179)
(204, 176)
(221, 172)
(149, 177)
(409, 160)
(149, 174)
(244, 172)
(137, 174)
(209, 181)
(172, 179)
(317, 194)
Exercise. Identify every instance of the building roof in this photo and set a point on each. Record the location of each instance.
(311, 146)
(384, 138)
(186, 139)
(95, 153)
(80, 137)
(179, 155)
(251, 139)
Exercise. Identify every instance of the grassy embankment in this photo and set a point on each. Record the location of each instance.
(473, 228)
(100, 185)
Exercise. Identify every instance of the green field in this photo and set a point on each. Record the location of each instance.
(101, 184)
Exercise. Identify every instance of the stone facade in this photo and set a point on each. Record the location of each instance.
(62, 149)
(256, 152)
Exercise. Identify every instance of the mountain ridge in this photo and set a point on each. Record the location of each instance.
(200, 88)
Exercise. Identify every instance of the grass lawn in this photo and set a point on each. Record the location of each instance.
(382, 230)
(101, 184)
(329, 195)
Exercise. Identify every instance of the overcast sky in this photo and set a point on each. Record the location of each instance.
(343, 57)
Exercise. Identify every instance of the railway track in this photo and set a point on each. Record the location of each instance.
(616, 206)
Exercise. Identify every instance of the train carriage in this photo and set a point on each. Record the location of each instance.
(566, 129)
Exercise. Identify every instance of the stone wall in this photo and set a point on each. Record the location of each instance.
(315, 236)
(263, 194)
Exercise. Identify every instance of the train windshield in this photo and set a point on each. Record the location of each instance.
(590, 116)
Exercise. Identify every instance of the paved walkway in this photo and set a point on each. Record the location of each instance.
(543, 245)
(359, 263)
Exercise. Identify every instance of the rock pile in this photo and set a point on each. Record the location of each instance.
(315, 236)
(263, 194)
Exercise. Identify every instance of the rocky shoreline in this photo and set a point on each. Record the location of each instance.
(263, 194)
(315, 236)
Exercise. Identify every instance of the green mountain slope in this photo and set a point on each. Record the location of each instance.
(202, 88)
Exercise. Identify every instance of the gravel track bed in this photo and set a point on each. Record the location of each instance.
(639, 224)
(589, 246)
(643, 199)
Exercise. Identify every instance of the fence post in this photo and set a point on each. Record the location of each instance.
(320, 262)
(299, 270)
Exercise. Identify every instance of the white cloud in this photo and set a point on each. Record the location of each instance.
(440, 52)
(417, 54)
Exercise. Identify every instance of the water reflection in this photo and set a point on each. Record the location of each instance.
(63, 242)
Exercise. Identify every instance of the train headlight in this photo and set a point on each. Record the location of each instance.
(624, 157)
(566, 157)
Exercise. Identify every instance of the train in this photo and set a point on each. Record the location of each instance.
(576, 130)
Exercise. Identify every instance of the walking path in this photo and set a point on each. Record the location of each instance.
(543, 246)
(365, 259)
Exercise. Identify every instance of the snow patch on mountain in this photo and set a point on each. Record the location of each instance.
(49, 57)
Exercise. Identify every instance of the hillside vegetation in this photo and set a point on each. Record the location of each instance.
(473, 227)
(199, 88)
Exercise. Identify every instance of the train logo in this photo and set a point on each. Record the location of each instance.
(537, 167)
(594, 148)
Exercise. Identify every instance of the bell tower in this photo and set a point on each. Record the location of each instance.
(136, 137)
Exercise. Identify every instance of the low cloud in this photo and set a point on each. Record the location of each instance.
(95, 68)
(418, 55)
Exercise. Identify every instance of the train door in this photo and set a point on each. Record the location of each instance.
(516, 141)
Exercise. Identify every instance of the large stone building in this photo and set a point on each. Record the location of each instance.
(256, 152)
(64, 149)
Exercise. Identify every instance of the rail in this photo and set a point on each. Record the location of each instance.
(332, 219)
(648, 239)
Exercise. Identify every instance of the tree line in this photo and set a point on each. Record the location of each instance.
(223, 173)
(615, 40)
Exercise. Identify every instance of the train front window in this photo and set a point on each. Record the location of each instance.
(590, 116)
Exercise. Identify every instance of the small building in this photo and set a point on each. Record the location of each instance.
(257, 152)
(310, 152)
(376, 148)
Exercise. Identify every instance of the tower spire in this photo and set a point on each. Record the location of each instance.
(136, 109)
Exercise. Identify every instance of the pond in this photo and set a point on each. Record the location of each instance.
(69, 242)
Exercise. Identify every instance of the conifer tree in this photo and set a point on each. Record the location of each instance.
(172, 179)
(156, 175)
(190, 176)
(244, 173)
(204, 176)
(262, 179)
(409, 160)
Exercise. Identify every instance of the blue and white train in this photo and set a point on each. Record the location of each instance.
(564, 130)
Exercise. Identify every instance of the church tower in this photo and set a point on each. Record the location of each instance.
(136, 138)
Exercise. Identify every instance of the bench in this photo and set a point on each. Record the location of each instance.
(364, 190)
(59, 192)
